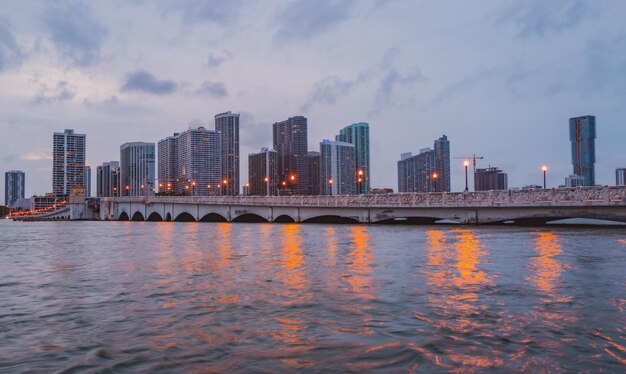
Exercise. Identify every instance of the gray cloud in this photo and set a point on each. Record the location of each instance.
(142, 81)
(305, 19)
(392, 80)
(216, 59)
(62, 92)
(212, 11)
(215, 89)
(539, 18)
(75, 32)
(10, 53)
(328, 90)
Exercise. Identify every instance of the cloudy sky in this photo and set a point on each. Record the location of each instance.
(499, 78)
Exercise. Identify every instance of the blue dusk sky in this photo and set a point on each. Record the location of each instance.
(499, 78)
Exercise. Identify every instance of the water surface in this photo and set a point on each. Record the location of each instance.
(192, 297)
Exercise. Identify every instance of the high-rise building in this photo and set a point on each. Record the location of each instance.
(87, 180)
(490, 178)
(14, 187)
(263, 172)
(442, 163)
(68, 163)
(582, 134)
(137, 175)
(620, 177)
(200, 163)
(337, 168)
(359, 135)
(228, 126)
(168, 164)
(291, 142)
(428, 171)
(190, 163)
(108, 179)
(315, 180)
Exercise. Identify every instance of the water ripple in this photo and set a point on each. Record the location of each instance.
(169, 297)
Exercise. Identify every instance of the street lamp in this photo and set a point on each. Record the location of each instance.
(193, 188)
(435, 176)
(330, 185)
(466, 164)
(267, 186)
(360, 179)
(224, 186)
(545, 170)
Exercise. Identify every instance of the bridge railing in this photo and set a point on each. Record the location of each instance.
(603, 195)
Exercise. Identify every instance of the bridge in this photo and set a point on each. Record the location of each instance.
(533, 206)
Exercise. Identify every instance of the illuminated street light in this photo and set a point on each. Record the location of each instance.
(545, 170)
(435, 176)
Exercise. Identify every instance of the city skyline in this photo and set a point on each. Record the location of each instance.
(539, 64)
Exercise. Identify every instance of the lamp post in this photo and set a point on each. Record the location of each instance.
(360, 180)
(224, 186)
(545, 170)
(466, 164)
(193, 188)
(330, 185)
(435, 176)
(267, 186)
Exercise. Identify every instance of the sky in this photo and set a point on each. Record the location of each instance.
(500, 78)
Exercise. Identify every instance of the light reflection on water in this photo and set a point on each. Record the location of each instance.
(259, 297)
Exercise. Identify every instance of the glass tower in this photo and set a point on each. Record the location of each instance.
(137, 169)
(14, 185)
(358, 134)
(228, 126)
(582, 134)
(291, 143)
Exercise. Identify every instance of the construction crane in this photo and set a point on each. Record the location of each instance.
(473, 158)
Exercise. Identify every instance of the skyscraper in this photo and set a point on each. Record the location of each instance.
(290, 143)
(490, 178)
(428, 171)
(228, 125)
(337, 168)
(358, 134)
(14, 187)
(168, 164)
(87, 180)
(199, 159)
(442, 163)
(190, 163)
(108, 179)
(582, 134)
(137, 169)
(315, 181)
(68, 163)
(263, 172)
(620, 177)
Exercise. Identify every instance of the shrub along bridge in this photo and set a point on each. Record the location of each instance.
(511, 206)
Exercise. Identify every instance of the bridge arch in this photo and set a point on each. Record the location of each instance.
(331, 219)
(250, 218)
(155, 217)
(138, 217)
(284, 219)
(185, 217)
(123, 217)
(213, 217)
